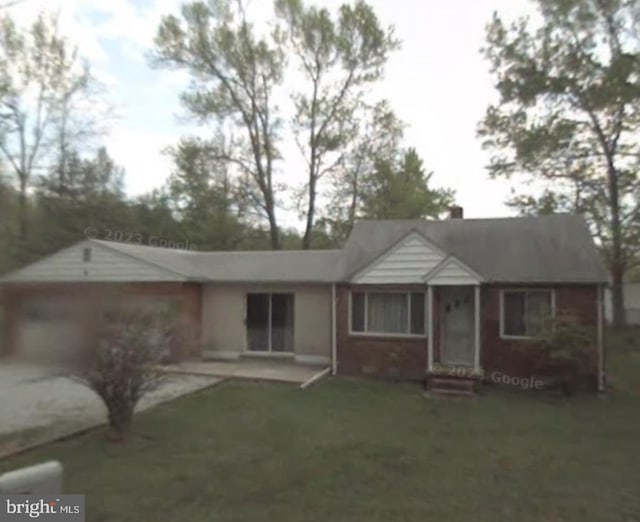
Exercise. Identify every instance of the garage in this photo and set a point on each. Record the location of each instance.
(49, 306)
(48, 330)
(52, 329)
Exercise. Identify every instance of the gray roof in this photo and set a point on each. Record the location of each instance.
(282, 266)
(550, 249)
(547, 249)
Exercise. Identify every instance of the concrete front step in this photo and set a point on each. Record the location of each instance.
(452, 382)
(443, 392)
(452, 386)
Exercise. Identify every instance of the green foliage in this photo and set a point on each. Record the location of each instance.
(90, 194)
(566, 350)
(42, 87)
(234, 74)
(379, 133)
(568, 117)
(400, 190)
(204, 197)
(340, 58)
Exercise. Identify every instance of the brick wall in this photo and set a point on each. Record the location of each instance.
(510, 356)
(370, 355)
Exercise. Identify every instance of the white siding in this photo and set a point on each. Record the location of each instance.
(453, 272)
(224, 309)
(106, 265)
(408, 262)
(631, 297)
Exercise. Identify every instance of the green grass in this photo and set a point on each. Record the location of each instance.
(360, 450)
(12, 442)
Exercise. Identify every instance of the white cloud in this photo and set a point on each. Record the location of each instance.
(140, 152)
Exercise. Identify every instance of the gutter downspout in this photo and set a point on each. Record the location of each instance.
(601, 359)
(334, 344)
(315, 378)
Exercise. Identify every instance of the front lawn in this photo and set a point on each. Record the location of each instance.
(359, 450)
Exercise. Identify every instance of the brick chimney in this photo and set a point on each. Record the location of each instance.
(456, 212)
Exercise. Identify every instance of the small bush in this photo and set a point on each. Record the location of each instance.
(567, 351)
(121, 361)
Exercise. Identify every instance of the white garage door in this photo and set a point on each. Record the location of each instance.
(48, 330)
(51, 328)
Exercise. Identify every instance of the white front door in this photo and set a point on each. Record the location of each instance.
(457, 320)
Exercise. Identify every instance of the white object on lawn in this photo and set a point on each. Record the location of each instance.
(43, 478)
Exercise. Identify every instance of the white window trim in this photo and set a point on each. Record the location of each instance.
(385, 334)
(502, 323)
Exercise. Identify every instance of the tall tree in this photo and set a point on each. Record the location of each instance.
(152, 215)
(234, 73)
(378, 136)
(400, 190)
(205, 197)
(92, 195)
(569, 116)
(39, 70)
(339, 58)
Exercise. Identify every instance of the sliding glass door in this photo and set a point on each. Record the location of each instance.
(270, 322)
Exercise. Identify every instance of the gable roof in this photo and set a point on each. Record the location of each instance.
(107, 264)
(424, 255)
(546, 249)
(451, 263)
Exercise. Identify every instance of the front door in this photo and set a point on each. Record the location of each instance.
(457, 320)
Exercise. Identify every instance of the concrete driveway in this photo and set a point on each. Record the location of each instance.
(34, 400)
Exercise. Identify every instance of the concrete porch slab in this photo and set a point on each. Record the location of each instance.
(248, 369)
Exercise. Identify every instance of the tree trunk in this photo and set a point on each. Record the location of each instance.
(23, 219)
(617, 259)
(311, 210)
(617, 295)
(120, 420)
(274, 233)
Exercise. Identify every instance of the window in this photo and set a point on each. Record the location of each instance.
(388, 313)
(524, 312)
(86, 255)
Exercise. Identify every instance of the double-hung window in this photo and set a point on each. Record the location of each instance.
(388, 313)
(524, 312)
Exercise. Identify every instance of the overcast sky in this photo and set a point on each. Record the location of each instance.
(438, 83)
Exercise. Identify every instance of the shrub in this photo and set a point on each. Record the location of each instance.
(121, 363)
(566, 351)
